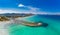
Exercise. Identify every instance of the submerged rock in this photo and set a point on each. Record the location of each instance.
(33, 24)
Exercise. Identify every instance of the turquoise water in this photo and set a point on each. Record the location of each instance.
(53, 27)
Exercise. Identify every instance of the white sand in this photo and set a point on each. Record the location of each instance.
(4, 32)
(3, 27)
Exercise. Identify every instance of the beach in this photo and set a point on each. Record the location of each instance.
(3, 27)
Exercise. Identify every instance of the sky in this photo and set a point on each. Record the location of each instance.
(52, 6)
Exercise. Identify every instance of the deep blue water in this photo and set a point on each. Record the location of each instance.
(54, 17)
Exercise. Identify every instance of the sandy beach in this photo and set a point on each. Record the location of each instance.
(4, 27)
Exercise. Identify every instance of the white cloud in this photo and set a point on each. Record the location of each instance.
(20, 5)
(28, 11)
(31, 8)
(7, 11)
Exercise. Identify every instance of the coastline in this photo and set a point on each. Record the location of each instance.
(3, 28)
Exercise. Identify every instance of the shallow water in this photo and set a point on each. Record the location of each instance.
(53, 27)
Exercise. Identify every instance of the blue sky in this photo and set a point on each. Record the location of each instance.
(43, 5)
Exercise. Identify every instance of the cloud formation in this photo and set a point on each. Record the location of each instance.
(20, 5)
(33, 10)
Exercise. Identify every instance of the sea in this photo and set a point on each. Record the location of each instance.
(53, 27)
